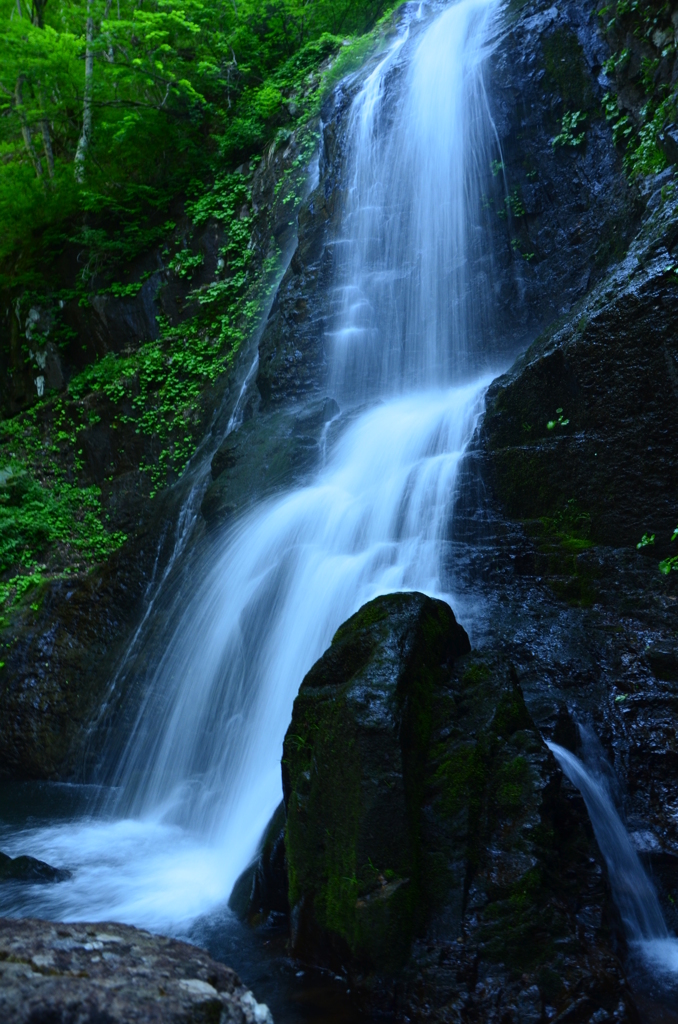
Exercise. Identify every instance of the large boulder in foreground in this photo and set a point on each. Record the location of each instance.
(435, 851)
(114, 974)
(353, 772)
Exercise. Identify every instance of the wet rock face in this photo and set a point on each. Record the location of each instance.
(590, 414)
(431, 836)
(28, 869)
(292, 357)
(273, 450)
(112, 973)
(63, 648)
(567, 210)
(578, 449)
(260, 893)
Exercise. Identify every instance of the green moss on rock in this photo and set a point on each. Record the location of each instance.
(566, 71)
(354, 768)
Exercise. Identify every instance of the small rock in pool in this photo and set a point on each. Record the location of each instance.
(28, 869)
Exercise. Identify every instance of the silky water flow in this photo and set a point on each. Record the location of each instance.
(409, 354)
(634, 894)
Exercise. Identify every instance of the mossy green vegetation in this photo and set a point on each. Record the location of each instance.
(118, 122)
(562, 537)
(487, 783)
(566, 71)
(642, 35)
(170, 89)
(56, 521)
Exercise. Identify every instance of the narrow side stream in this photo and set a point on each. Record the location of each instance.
(651, 945)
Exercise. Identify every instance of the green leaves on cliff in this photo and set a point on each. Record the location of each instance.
(105, 106)
(667, 565)
(642, 69)
(569, 134)
(670, 564)
(47, 525)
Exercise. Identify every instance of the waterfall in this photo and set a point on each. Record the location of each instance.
(410, 352)
(632, 890)
(410, 313)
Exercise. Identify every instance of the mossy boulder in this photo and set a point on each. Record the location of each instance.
(435, 852)
(353, 774)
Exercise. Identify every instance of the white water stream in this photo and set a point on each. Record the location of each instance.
(633, 891)
(200, 776)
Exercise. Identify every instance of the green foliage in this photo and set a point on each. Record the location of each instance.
(561, 420)
(514, 203)
(185, 262)
(571, 526)
(48, 519)
(646, 30)
(667, 565)
(568, 134)
(670, 564)
(177, 86)
(156, 391)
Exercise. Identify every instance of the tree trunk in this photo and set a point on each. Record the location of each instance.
(109, 48)
(25, 130)
(47, 143)
(38, 13)
(84, 141)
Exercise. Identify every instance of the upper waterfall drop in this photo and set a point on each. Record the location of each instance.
(411, 310)
(200, 774)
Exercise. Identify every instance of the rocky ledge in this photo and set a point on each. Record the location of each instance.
(114, 974)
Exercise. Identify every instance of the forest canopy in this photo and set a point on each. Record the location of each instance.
(113, 106)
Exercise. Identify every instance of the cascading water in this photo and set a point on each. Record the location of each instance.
(200, 775)
(633, 891)
(410, 313)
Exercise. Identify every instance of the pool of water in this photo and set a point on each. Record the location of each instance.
(30, 811)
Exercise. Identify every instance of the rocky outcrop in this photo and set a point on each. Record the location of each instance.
(435, 851)
(95, 973)
(590, 414)
(260, 894)
(292, 356)
(353, 762)
(28, 869)
(273, 450)
(567, 210)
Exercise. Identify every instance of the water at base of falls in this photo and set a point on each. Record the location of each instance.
(375, 520)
